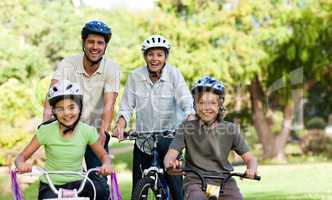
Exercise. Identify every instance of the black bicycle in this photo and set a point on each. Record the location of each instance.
(222, 176)
(152, 186)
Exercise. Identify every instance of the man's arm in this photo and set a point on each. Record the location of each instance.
(47, 113)
(107, 115)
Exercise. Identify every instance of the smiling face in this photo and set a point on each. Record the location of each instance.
(94, 47)
(207, 106)
(67, 112)
(155, 58)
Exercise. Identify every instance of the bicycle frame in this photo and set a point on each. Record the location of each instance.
(154, 170)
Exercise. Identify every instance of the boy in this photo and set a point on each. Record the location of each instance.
(208, 142)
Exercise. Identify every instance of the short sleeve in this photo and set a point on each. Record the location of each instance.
(112, 83)
(178, 142)
(92, 135)
(42, 135)
(239, 144)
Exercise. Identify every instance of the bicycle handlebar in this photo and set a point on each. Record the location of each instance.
(133, 135)
(39, 171)
(223, 176)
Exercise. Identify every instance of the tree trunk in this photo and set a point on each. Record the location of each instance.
(273, 146)
(238, 99)
(260, 121)
(281, 139)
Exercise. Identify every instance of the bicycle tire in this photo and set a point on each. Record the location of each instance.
(144, 190)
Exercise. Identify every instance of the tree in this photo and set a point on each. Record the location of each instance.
(270, 48)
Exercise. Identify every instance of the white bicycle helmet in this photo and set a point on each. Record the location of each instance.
(156, 41)
(64, 89)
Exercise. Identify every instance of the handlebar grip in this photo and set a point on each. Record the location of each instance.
(126, 134)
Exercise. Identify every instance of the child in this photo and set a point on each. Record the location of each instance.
(65, 141)
(208, 142)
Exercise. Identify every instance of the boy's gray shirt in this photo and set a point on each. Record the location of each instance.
(208, 148)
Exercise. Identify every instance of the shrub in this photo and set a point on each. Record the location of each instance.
(316, 123)
(316, 143)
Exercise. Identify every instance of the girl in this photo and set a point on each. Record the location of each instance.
(65, 140)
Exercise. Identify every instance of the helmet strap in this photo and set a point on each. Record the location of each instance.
(72, 127)
(155, 75)
(221, 113)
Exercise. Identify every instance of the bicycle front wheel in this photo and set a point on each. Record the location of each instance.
(144, 190)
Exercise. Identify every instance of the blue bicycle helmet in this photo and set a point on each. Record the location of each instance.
(208, 83)
(96, 27)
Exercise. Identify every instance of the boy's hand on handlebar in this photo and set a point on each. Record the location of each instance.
(24, 168)
(105, 169)
(250, 173)
(174, 168)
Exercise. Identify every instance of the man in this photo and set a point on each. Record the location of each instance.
(99, 79)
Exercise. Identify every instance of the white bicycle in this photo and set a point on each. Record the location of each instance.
(63, 194)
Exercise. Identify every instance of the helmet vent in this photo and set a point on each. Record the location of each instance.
(156, 41)
(69, 86)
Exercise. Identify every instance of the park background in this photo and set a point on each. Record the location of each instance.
(274, 57)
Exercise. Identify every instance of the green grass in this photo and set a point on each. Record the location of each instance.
(290, 182)
(114, 143)
(279, 182)
(5, 193)
(123, 162)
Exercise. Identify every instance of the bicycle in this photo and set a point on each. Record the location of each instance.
(63, 194)
(211, 191)
(152, 185)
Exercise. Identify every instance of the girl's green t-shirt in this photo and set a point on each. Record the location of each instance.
(65, 154)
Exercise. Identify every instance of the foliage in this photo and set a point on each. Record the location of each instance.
(315, 143)
(316, 123)
(17, 99)
(283, 43)
(317, 97)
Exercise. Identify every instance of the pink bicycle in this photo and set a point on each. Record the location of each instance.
(64, 194)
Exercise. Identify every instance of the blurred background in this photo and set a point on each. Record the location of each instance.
(274, 57)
